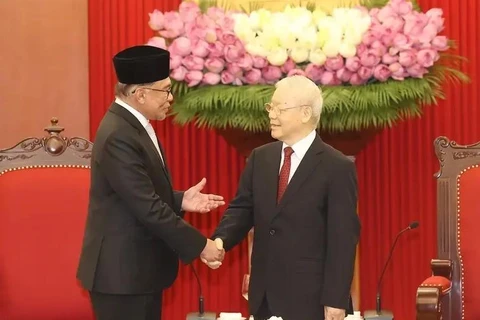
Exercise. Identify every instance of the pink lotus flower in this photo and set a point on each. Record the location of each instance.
(427, 57)
(215, 65)
(233, 52)
(296, 72)
(365, 73)
(416, 71)
(398, 72)
(173, 25)
(401, 7)
(356, 80)
(288, 65)
(216, 13)
(314, 72)
(193, 63)
(226, 77)
(428, 34)
(156, 20)
(389, 59)
(180, 46)
(179, 73)
(234, 70)
(407, 58)
(435, 18)
(344, 75)
(188, 10)
(227, 38)
(259, 62)
(211, 78)
(378, 48)
(329, 78)
(193, 78)
(216, 49)
(253, 76)
(381, 72)
(246, 62)
(440, 43)
(200, 49)
(386, 13)
(402, 42)
(175, 61)
(370, 58)
(271, 73)
(414, 24)
(335, 63)
(395, 23)
(353, 64)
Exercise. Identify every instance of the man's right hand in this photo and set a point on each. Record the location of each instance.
(212, 254)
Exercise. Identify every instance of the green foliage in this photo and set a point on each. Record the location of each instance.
(345, 107)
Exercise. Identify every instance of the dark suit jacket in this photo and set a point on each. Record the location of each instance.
(303, 248)
(134, 232)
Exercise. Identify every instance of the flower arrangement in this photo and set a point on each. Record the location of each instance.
(375, 63)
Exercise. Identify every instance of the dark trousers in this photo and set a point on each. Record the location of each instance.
(126, 307)
(263, 312)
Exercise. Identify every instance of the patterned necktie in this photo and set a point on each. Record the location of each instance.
(153, 137)
(284, 173)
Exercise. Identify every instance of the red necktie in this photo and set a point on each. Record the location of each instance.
(284, 173)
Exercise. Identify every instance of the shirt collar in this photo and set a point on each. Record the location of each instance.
(141, 118)
(301, 147)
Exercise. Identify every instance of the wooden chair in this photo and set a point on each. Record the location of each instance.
(451, 292)
(44, 184)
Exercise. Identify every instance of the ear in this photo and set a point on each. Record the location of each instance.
(306, 114)
(140, 95)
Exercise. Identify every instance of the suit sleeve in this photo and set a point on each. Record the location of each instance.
(238, 218)
(343, 228)
(125, 170)
(178, 198)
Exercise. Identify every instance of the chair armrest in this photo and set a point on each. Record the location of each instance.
(432, 289)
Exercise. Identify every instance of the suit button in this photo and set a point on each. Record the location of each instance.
(272, 232)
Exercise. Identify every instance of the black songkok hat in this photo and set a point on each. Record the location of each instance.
(142, 64)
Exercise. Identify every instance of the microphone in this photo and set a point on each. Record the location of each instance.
(201, 314)
(378, 313)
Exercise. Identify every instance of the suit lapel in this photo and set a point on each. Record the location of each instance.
(145, 138)
(309, 162)
(272, 168)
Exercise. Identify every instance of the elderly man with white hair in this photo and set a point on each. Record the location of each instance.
(300, 195)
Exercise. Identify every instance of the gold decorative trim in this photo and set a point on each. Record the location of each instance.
(462, 273)
(74, 166)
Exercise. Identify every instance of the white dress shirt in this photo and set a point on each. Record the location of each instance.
(145, 123)
(299, 150)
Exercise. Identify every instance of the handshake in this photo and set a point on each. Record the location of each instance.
(213, 253)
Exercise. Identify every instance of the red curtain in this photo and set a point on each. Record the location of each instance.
(396, 178)
(395, 171)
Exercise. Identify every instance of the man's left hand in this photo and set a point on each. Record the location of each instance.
(334, 313)
(195, 201)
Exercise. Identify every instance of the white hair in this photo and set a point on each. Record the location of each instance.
(306, 93)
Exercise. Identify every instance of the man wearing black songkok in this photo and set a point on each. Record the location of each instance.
(135, 232)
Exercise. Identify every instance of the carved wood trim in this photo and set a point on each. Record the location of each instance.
(52, 149)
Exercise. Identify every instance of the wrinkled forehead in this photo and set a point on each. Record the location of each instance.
(163, 84)
(285, 95)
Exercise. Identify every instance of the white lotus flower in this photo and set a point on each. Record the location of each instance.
(347, 50)
(278, 56)
(299, 55)
(331, 48)
(318, 57)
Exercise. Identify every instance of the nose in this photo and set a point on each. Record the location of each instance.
(271, 114)
(170, 98)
